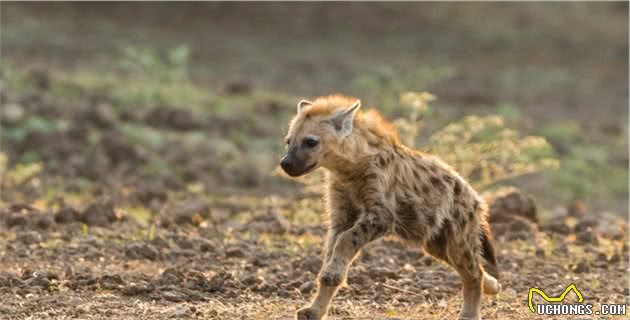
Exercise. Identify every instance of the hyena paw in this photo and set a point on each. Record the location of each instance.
(330, 277)
(490, 285)
(464, 316)
(468, 318)
(308, 314)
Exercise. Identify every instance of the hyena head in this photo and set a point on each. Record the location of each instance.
(316, 132)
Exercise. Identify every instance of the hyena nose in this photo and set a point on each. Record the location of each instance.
(287, 164)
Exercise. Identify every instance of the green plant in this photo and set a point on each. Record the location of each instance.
(154, 78)
(410, 126)
(482, 149)
(21, 129)
(147, 63)
(383, 86)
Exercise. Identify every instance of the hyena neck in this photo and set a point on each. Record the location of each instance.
(353, 153)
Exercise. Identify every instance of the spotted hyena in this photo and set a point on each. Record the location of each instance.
(379, 187)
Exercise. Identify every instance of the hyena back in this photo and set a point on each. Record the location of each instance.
(379, 187)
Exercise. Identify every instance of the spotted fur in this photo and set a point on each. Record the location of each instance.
(379, 187)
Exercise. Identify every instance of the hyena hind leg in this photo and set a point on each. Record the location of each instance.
(472, 279)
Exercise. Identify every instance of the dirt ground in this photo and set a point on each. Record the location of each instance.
(127, 197)
(263, 266)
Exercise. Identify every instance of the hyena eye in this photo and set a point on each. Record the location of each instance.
(310, 142)
(287, 141)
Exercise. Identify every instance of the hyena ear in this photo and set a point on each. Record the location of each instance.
(342, 122)
(302, 104)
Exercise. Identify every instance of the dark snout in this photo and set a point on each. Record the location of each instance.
(290, 165)
(294, 166)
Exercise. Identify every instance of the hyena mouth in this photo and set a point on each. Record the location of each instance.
(309, 168)
(296, 173)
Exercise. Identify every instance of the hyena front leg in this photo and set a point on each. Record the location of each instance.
(324, 294)
(368, 228)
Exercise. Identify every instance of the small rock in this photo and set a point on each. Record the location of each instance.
(11, 113)
(184, 243)
(40, 76)
(382, 273)
(561, 250)
(408, 268)
(149, 193)
(272, 222)
(521, 235)
(159, 242)
(587, 236)
(252, 281)
(206, 245)
(520, 224)
(103, 115)
(311, 263)
(38, 281)
(189, 211)
(67, 215)
(291, 286)
(217, 282)
(584, 224)
(234, 252)
(557, 214)
(134, 289)
(307, 287)
(174, 118)
(577, 208)
(99, 214)
(361, 280)
(9, 280)
(616, 258)
(540, 252)
(582, 267)
(260, 260)
(29, 237)
(44, 221)
(171, 276)
(16, 219)
(238, 88)
(557, 226)
(426, 260)
(511, 201)
(182, 312)
(111, 281)
(516, 228)
(141, 251)
(173, 296)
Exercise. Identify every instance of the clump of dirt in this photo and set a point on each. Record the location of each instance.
(67, 215)
(510, 201)
(271, 222)
(99, 214)
(173, 118)
(513, 215)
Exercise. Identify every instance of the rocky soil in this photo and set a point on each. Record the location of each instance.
(211, 261)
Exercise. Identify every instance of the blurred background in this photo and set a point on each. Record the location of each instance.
(221, 79)
(176, 112)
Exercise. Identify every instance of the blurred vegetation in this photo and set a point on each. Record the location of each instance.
(481, 149)
(588, 170)
(384, 85)
(234, 137)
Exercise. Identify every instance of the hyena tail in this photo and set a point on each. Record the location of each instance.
(487, 252)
